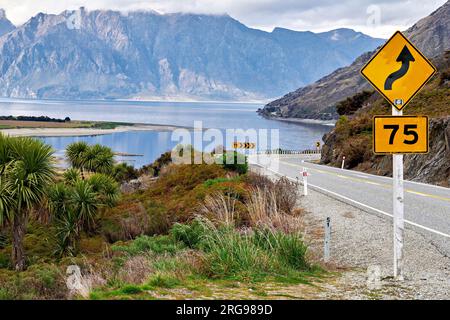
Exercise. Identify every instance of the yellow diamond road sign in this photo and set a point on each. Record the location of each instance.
(398, 70)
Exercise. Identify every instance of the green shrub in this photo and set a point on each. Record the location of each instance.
(289, 247)
(230, 254)
(39, 281)
(155, 168)
(145, 244)
(211, 182)
(235, 161)
(130, 289)
(4, 259)
(5, 294)
(253, 255)
(163, 281)
(352, 104)
(189, 234)
(444, 77)
(124, 172)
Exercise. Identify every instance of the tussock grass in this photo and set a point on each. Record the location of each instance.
(250, 254)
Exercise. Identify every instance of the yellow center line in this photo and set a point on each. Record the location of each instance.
(340, 175)
(428, 195)
(374, 183)
(370, 182)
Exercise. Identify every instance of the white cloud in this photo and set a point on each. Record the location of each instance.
(319, 15)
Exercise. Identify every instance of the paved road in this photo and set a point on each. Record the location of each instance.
(427, 207)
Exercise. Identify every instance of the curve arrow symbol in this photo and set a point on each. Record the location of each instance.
(405, 57)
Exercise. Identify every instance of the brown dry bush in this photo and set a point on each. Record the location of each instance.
(264, 212)
(357, 150)
(286, 192)
(135, 270)
(132, 218)
(257, 180)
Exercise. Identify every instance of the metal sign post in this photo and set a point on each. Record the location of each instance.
(398, 208)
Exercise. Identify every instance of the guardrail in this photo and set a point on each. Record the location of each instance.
(283, 151)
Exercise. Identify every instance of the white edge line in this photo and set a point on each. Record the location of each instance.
(362, 204)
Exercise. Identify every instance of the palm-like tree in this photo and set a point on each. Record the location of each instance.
(6, 200)
(27, 170)
(71, 176)
(76, 155)
(96, 158)
(106, 188)
(99, 159)
(85, 203)
(75, 204)
(59, 200)
(67, 234)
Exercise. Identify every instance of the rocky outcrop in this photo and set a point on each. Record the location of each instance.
(108, 54)
(140, 184)
(318, 100)
(433, 167)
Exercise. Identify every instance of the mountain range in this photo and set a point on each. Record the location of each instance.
(318, 100)
(5, 25)
(99, 54)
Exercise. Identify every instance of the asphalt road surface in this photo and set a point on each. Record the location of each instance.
(427, 207)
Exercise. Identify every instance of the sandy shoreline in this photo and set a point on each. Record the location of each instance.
(69, 132)
(307, 121)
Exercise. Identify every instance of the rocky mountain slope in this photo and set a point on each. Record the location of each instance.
(107, 54)
(318, 100)
(5, 25)
(352, 136)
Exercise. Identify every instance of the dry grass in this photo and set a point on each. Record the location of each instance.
(265, 210)
(221, 208)
(135, 270)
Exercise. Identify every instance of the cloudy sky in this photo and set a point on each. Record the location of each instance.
(375, 17)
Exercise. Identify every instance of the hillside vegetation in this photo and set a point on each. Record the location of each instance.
(194, 231)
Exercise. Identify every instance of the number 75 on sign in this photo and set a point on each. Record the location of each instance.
(400, 134)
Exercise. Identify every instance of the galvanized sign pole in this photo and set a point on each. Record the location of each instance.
(398, 208)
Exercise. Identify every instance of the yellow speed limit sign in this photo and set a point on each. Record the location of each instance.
(400, 134)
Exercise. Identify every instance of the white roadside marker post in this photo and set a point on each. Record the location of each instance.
(343, 162)
(398, 208)
(326, 244)
(305, 181)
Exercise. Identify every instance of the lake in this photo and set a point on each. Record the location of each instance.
(150, 144)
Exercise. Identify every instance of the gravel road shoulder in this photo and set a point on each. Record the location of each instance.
(359, 240)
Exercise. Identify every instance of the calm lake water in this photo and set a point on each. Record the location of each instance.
(151, 144)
